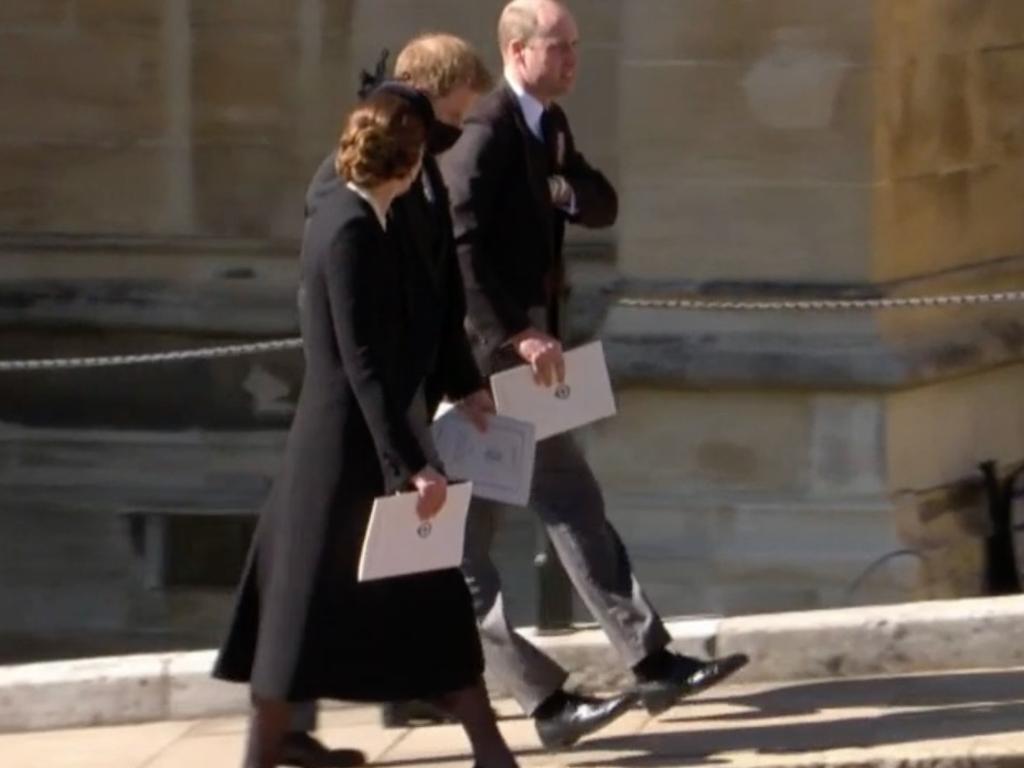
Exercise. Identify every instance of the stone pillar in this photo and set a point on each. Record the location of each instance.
(178, 179)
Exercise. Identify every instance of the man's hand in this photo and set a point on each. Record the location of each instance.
(432, 488)
(543, 353)
(561, 191)
(477, 407)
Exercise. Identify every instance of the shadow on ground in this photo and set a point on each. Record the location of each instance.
(944, 706)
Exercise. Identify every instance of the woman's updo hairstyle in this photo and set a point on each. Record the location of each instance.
(383, 140)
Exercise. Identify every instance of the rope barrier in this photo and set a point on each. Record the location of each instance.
(705, 305)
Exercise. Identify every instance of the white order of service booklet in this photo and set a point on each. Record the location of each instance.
(398, 543)
(499, 462)
(584, 397)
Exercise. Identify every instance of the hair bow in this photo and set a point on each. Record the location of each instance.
(369, 82)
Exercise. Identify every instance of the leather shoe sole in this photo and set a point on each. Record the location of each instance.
(661, 695)
(313, 754)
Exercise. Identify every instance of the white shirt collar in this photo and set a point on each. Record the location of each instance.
(381, 215)
(532, 109)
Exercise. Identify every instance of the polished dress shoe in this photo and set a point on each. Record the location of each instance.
(575, 716)
(684, 677)
(412, 713)
(305, 751)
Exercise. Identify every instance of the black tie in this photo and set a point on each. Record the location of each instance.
(549, 134)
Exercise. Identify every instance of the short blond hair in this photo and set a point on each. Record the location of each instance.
(518, 21)
(438, 63)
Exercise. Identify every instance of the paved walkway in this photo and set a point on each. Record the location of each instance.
(963, 719)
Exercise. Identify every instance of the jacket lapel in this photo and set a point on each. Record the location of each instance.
(435, 208)
(536, 175)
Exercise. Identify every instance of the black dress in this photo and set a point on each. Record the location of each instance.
(304, 628)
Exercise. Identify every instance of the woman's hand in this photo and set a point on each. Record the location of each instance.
(477, 407)
(432, 488)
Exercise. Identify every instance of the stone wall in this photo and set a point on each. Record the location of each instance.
(747, 139)
(168, 116)
(844, 149)
(949, 135)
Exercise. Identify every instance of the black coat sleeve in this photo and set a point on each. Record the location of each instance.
(597, 204)
(473, 171)
(354, 273)
(457, 371)
(458, 367)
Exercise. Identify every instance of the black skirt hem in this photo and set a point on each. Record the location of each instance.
(369, 692)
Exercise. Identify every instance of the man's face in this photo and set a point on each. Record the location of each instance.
(452, 109)
(547, 61)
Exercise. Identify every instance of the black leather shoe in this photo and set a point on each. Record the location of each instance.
(412, 713)
(580, 716)
(303, 750)
(685, 678)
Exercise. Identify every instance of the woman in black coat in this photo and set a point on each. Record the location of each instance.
(304, 627)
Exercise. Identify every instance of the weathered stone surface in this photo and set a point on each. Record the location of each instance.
(390, 23)
(252, 15)
(981, 418)
(950, 135)
(48, 696)
(942, 221)
(946, 531)
(35, 15)
(253, 191)
(71, 571)
(744, 125)
(92, 89)
(881, 640)
(947, 26)
(736, 31)
(683, 441)
(93, 14)
(267, 263)
(718, 520)
(83, 190)
(242, 84)
(600, 22)
(192, 692)
(733, 554)
(594, 107)
(679, 230)
(946, 112)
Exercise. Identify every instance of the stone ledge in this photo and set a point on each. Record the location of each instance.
(674, 347)
(199, 285)
(245, 288)
(800, 363)
(878, 640)
(859, 350)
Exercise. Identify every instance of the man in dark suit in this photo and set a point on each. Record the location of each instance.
(442, 75)
(516, 178)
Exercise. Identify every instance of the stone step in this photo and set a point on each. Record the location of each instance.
(878, 641)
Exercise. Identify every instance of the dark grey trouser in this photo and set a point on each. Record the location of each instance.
(566, 497)
(303, 717)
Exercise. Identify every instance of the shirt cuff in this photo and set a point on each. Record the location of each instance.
(571, 207)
